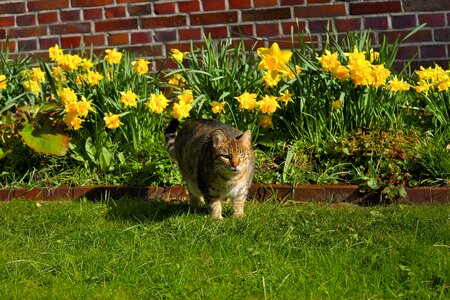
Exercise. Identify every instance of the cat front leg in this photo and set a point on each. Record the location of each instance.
(215, 209)
(238, 205)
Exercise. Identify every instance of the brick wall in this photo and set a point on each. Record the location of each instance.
(152, 28)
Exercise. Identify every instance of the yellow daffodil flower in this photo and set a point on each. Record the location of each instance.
(140, 66)
(329, 61)
(73, 121)
(67, 95)
(84, 107)
(54, 53)
(112, 121)
(285, 97)
(379, 75)
(128, 98)
(112, 56)
(271, 78)
(181, 110)
(32, 87)
(336, 104)
(69, 62)
(273, 58)
(396, 85)
(3, 82)
(186, 97)
(93, 77)
(268, 105)
(341, 72)
(177, 55)
(157, 103)
(247, 101)
(217, 107)
(177, 80)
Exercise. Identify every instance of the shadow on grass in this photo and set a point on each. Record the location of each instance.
(141, 210)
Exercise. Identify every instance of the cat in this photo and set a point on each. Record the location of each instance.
(216, 161)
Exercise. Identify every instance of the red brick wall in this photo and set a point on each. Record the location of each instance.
(152, 28)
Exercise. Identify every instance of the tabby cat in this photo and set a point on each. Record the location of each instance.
(215, 160)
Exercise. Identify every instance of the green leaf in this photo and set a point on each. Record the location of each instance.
(372, 183)
(45, 141)
(105, 159)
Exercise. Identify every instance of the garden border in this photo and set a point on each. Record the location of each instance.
(258, 192)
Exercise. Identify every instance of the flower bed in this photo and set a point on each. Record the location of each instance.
(340, 115)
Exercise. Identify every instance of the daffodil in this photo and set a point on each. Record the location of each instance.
(86, 64)
(32, 87)
(336, 104)
(157, 103)
(69, 62)
(3, 82)
(273, 58)
(360, 72)
(433, 77)
(73, 121)
(341, 72)
(84, 107)
(140, 66)
(374, 55)
(177, 80)
(356, 55)
(67, 95)
(268, 104)
(271, 78)
(93, 77)
(112, 56)
(177, 55)
(329, 61)
(54, 53)
(128, 98)
(247, 101)
(35, 74)
(58, 74)
(217, 107)
(285, 97)
(181, 110)
(186, 96)
(112, 121)
(379, 75)
(443, 85)
(397, 85)
(423, 87)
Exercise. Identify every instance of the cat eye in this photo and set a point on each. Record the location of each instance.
(242, 155)
(226, 156)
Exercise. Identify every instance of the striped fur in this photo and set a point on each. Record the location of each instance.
(215, 160)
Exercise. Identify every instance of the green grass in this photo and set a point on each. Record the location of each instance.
(132, 249)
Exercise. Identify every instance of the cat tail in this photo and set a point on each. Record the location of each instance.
(171, 134)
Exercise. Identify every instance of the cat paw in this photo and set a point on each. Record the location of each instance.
(217, 217)
(238, 216)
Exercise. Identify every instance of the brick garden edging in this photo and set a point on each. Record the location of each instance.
(258, 192)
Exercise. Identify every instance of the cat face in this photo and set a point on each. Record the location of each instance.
(232, 155)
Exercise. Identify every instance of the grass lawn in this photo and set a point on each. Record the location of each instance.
(128, 249)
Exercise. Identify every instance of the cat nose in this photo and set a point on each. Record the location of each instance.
(235, 162)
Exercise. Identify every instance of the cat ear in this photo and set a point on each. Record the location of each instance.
(218, 138)
(246, 136)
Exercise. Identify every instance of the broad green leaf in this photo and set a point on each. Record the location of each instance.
(105, 158)
(44, 141)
